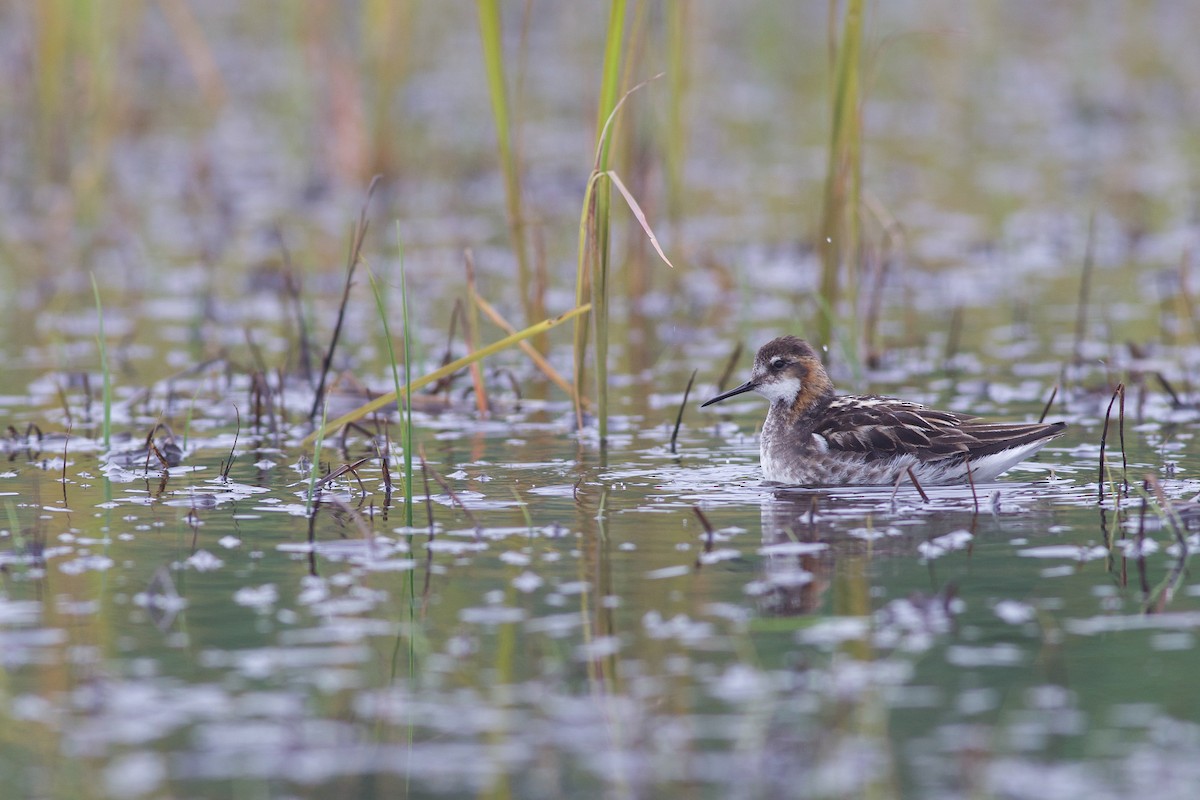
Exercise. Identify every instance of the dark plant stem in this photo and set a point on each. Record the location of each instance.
(356, 243)
(682, 406)
(1104, 442)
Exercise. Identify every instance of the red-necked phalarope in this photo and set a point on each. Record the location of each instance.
(814, 437)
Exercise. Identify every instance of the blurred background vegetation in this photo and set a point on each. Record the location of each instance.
(167, 143)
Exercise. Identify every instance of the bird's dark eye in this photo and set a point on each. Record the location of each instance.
(778, 363)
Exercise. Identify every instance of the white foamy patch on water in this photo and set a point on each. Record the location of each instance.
(669, 572)
(492, 615)
(87, 563)
(527, 582)
(792, 548)
(939, 546)
(1014, 612)
(1074, 552)
(257, 596)
(996, 655)
(203, 561)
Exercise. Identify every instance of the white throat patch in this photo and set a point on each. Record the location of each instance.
(780, 391)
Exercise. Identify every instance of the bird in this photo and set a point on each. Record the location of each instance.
(815, 437)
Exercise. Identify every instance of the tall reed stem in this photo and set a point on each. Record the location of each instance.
(839, 237)
(592, 278)
(491, 34)
(102, 344)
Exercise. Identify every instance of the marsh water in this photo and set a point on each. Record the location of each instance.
(642, 618)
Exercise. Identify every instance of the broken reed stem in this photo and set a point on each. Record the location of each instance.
(1049, 404)
(1120, 390)
(682, 405)
(342, 470)
(537, 358)
(472, 317)
(441, 372)
(1085, 287)
(356, 242)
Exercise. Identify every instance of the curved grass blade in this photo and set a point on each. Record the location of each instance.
(640, 215)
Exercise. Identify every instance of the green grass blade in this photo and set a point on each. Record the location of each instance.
(838, 240)
(408, 420)
(492, 37)
(316, 462)
(103, 346)
(610, 85)
(610, 76)
(381, 307)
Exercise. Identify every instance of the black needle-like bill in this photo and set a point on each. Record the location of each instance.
(748, 386)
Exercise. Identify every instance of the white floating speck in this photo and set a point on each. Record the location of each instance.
(257, 596)
(1014, 612)
(83, 564)
(715, 556)
(1133, 548)
(527, 582)
(939, 546)
(998, 655)
(204, 561)
(492, 615)
(669, 572)
(792, 549)
(1072, 551)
